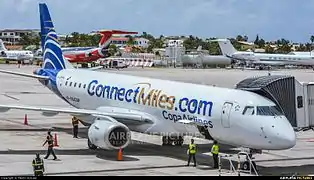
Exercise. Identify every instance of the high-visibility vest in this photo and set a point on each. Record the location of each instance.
(38, 165)
(192, 148)
(215, 149)
(75, 121)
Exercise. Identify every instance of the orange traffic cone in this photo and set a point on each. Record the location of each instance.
(56, 141)
(25, 120)
(120, 155)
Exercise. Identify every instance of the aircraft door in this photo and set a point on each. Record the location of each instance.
(225, 114)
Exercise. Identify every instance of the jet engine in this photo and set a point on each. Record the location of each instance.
(88, 54)
(108, 134)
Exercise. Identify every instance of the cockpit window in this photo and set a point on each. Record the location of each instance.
(248, 110)
(269, 111)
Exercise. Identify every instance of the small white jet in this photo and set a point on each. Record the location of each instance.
(263, 58)
(14, 54)
(114, 104)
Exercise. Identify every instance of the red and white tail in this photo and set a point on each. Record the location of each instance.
(107, 35)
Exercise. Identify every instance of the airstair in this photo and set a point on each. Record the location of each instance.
(248, 167)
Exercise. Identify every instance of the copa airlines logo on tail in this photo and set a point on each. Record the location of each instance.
(173, 108)
(53, 57)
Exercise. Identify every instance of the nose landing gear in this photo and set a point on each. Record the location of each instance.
(248, 165)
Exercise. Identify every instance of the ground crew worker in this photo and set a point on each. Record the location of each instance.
(49, 140)
(215, 152)
(192, 152)
(75, 123)
(38, 165)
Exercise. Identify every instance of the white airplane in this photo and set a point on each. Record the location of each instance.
(14, 55)
(263, 58)
(115, 104)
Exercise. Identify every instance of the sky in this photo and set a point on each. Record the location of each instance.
(270, 19)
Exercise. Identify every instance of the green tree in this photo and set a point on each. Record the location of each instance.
(256, 42)
(75, 39)
(269, 49)
(26, 40)
(312, 40)
(113, 49)
(130, 41)
(239, 38)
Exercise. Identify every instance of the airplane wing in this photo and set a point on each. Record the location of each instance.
(25, 74)
(50, 111)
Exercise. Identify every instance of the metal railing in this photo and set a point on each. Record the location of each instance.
(238, 170)
(232, 169)
(248, 159)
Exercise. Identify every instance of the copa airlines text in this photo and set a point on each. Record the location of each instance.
(143, 94)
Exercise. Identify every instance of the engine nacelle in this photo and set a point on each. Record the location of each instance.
(109, 135)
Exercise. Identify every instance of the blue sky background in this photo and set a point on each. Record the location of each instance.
(271, 19)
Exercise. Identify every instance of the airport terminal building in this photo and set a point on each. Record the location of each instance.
(13, 36)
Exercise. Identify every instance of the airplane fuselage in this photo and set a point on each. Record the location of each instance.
(85, 56)
(275, 59)
(223, 111)
(18, 55)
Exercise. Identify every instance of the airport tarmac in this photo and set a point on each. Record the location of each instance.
(144, 156)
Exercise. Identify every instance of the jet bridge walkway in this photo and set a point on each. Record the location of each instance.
(278, 88)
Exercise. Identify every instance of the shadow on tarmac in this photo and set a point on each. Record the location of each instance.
(137, 148)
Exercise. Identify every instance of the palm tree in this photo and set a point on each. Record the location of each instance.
(130, 41)
(312, 40)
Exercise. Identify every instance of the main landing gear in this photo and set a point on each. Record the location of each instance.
(90, 145)
(169, 141)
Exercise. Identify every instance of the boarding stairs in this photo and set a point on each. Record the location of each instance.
(248, 164)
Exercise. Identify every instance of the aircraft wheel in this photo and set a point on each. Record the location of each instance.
(91, 146)
(246, 166)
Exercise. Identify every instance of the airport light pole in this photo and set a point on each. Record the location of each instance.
(175, 56)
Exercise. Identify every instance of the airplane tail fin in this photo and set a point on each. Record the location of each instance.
(52, 54)
(226, 47)
(2, 46)
(107, 35)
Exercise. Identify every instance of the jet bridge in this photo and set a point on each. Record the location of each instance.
(280, 89)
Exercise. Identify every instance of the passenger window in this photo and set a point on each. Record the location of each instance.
(79, 85)
(70, 83)
(66, 83)
(74, 84)
(84, 86)
(300, 101)
(248, 110)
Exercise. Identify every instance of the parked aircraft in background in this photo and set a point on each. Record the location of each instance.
(15, 55)
(228, 50)
(93, 54)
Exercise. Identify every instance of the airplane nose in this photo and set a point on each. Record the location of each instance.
(288, 139)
